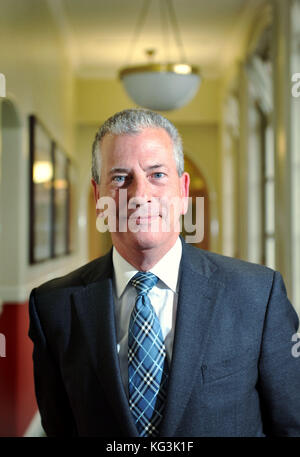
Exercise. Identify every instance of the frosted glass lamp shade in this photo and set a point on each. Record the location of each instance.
(161, 88)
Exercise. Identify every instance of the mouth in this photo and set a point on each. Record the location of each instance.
(144, 213)
(145, 219)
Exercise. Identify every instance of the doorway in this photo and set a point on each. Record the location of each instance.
(198, 188)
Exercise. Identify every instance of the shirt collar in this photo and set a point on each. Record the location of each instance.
(166, 269)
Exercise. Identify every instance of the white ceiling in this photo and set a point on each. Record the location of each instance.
(98, 34)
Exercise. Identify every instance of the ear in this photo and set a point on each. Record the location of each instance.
(184, 187)
(96, 192)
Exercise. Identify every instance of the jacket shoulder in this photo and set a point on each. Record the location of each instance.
(90, 272)
(228, 268)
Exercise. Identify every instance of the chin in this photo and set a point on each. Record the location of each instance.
(148, 240)
(143, 240)
(151, 234)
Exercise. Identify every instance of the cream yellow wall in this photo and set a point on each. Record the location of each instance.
(97, 99)
(39, 81)
(32, 57)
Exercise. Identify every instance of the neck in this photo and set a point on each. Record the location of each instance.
(143, 259)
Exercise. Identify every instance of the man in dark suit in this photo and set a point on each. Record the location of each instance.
(158, 338)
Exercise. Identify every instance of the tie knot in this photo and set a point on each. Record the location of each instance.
(144, 281)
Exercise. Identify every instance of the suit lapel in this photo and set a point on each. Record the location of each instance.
(95, 308)
(195, 310)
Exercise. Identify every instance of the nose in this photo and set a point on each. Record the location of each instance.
(139, 190)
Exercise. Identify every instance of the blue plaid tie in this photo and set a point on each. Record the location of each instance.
(147, 362)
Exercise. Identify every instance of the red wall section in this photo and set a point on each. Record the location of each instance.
(17, 398)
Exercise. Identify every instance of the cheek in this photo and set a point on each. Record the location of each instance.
(108, 191)
(171, 208)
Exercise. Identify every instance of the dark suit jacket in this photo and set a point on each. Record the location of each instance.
(232, 370)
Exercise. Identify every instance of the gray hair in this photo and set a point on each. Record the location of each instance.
(133, 121)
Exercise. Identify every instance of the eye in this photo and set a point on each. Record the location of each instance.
(159, 175)
(119, 179)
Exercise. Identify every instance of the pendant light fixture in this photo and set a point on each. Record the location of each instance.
(160, 86)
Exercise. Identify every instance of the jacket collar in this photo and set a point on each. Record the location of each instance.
(194, 258)
(98, 269)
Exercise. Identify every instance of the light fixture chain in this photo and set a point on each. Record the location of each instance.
(138, 28)
(176, 30)
(165, 28)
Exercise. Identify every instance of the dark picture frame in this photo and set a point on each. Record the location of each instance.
(61, 202)
(41, 190)
(49, 227)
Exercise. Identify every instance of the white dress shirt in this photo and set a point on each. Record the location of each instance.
(163, 296)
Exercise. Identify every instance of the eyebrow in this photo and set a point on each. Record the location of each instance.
(119, 170)
(127, 170)
(159, 165)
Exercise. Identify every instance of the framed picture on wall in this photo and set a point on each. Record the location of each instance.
(61, 202)
(50, 195)
(41, 192)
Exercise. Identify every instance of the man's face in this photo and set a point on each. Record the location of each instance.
(143, 165)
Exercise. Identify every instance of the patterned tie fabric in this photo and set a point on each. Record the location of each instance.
(147, 362)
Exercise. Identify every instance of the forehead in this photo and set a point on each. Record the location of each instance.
(148, 142)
